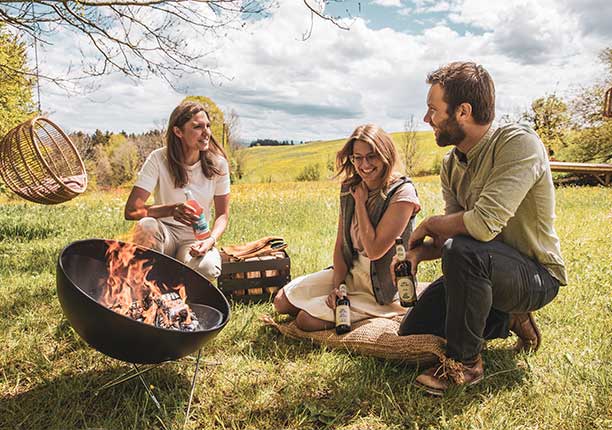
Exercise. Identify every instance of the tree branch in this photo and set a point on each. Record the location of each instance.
(138, 38)
(333, 20)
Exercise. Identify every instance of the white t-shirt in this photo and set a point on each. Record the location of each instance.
(155, 177)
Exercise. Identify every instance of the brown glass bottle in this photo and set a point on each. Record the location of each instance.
(343, 311)
(405, 282)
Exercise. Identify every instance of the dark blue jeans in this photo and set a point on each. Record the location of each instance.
(482, 283)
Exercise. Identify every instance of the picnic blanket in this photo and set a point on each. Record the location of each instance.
(375, 337)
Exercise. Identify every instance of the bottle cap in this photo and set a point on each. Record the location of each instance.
(342, 288)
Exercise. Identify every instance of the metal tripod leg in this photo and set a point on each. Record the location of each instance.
(193, 382)
(130, 374)
(136, 372)
(149, 392)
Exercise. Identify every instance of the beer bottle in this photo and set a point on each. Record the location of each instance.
(343, 311)
(406, 284)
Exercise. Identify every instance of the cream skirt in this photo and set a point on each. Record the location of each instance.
(309, 293)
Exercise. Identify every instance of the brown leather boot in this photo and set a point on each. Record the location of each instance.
(528, 333)
(436, 380)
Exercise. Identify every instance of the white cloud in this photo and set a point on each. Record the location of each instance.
(531, 31)
(594, 16)
(388, 3)
(283, 87)
(432, 6)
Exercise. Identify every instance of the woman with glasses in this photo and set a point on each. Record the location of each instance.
(377, 205)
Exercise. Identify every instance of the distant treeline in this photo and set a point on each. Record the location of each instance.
(272, 142)
(114, 159)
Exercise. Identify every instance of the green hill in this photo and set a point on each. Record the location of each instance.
(285, 163)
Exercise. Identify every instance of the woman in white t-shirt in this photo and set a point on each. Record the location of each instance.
(192, 160)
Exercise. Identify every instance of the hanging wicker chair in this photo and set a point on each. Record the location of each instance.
(40, 163)
(608, 104)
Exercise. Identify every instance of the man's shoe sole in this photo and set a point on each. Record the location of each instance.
(440, 393)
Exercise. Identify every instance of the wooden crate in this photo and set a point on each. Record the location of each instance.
(254, 279)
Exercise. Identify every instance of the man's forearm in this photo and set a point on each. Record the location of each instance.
(445, 226)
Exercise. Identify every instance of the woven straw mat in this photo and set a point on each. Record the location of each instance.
(376, 337)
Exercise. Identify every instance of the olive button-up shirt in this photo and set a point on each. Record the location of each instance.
(505, 187)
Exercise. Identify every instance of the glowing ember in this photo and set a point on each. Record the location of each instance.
(128, 292)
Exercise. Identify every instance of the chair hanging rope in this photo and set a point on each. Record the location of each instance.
(39, 163)
(36, 70)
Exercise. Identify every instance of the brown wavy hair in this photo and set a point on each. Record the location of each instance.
(467, 82)
(381, 144)
(176, 157)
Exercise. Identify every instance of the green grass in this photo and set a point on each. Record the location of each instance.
(284, 163)
(253, 378)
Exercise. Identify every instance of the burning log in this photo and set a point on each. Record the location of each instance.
(128, 292)
(173, 313)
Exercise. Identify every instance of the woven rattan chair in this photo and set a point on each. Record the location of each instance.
(40, 163)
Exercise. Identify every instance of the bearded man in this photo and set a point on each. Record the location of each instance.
(500, 253)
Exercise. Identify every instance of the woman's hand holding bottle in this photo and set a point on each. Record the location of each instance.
(184, 214)
(331, 299)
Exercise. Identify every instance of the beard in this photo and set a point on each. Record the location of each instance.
(450, 133)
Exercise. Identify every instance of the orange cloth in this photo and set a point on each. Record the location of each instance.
(264, 246)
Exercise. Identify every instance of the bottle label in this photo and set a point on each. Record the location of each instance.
(406, 290)
(343, 315)
(400, 252)
(200, 226)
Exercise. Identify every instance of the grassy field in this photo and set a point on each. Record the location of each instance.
(253, 378)
(284, 163)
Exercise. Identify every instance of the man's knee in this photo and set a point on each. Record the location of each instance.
(462, 259)
(461, 250)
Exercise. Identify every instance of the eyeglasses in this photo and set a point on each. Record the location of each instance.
(358, 159)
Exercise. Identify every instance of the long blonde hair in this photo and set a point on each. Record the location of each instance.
(176, 156)
(381, 144)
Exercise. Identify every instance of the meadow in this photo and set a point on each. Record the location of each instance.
(285, 163)
(254, 378)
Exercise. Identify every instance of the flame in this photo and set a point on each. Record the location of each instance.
(127, 285)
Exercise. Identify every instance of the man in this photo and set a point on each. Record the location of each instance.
(500, 254)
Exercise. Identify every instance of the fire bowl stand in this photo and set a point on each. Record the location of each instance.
(136, 372)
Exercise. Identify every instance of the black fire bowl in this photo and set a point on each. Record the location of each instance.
(80, 267)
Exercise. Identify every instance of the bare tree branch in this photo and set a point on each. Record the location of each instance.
(138, 38)
(323, 16)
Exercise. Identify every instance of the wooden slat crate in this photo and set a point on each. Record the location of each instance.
(254, 279)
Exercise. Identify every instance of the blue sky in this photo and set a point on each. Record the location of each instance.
(285, 88)
(409, 17)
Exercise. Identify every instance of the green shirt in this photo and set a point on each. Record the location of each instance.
(505, 187)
